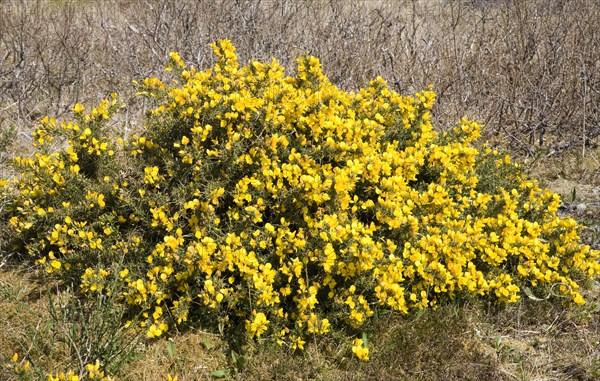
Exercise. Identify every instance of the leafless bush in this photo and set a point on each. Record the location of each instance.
(530, 70)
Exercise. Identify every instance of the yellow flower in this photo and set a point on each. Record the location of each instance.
(259, 324)
(78, 109)
(176, 58)
(154, 331)
(359, 349)
(297, 342)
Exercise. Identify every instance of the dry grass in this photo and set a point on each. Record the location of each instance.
(190, 356)
(530, 70)
(25, 321)
(531, 340)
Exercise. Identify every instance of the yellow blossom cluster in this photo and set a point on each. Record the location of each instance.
(287, 206)
(360, 350)
(92, 372)
(20, 367)
(89, 372)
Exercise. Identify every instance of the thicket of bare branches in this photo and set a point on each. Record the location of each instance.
(530, 70)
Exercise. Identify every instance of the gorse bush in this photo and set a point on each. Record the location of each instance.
(284, 206)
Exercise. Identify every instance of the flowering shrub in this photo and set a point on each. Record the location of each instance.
(285, 206)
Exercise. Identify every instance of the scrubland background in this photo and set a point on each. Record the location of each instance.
(528, 70)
